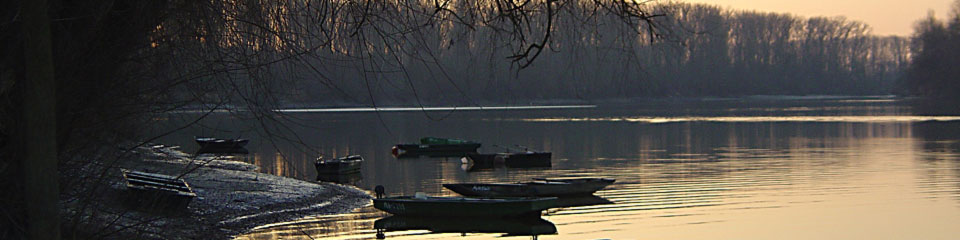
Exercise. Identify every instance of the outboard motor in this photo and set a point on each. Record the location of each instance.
(379, 191)
(380, 234)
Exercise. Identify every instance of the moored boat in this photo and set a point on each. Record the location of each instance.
(421, 205)
(348, 164)
(219, 143)
(539, 188)
(436, 147)
(475, 161)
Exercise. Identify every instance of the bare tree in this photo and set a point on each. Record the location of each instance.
(116, 64)
(41, 192)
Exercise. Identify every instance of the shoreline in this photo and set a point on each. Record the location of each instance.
(232, 197)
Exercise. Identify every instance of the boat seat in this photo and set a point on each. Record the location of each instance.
(420, 195)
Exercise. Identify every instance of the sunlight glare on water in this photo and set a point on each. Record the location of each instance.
(854, 119)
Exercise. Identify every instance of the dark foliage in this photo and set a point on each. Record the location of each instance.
(94, 45)
(118, 64)
(933, 72)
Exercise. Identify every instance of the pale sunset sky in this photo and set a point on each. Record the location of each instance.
(886, 17)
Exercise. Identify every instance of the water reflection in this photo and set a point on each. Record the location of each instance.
(872, 168)
(940, 159)
(356, 225)
(353, 178)
(505, 226)
(580, 201)
(222, 151)
(746, 119)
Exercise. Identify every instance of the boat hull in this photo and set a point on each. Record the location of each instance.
(344, 165)
(541, 188)
(156, 191)
(463, 207)
(491, 190)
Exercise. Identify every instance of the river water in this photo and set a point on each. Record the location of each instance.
(756, 168)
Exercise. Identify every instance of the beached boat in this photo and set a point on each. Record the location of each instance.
(506, 226)
(432, 146)
(157, 191)
(538, 188)
(219, 143)
(421, 205)
(348, 164)
(526, 159)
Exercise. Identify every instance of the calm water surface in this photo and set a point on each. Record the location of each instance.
(720, 169)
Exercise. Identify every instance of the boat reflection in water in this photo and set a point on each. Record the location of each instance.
(222, 151)
(353, 178)
(528, 160)
(463, 225)
(518, 226)
(580, 201)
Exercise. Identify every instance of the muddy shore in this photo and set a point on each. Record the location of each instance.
(232, 198)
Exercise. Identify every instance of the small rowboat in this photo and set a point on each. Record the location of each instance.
(541, 187)
(348, 164)
(157, 191)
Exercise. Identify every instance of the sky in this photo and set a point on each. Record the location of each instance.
(886, 17)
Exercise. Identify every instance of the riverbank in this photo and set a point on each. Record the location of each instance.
(232, 197)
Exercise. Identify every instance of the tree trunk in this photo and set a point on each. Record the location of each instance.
(41, 180)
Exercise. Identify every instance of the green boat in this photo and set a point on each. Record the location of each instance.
(421, 205)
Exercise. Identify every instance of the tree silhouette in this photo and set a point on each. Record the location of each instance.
(936, 52)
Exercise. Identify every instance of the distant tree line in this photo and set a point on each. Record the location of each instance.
(718, 52)
(698, 50)
(934, 71)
